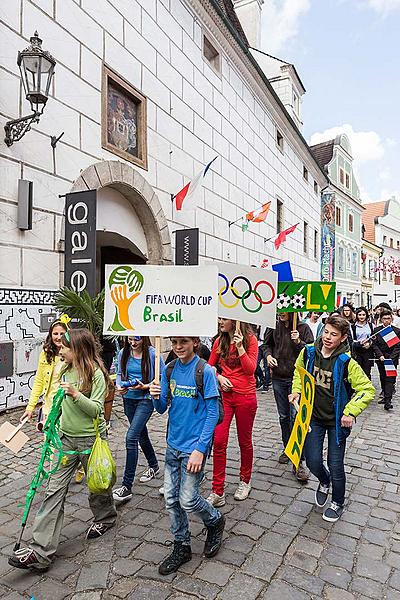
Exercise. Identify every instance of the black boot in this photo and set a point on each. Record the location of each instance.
(214, 538)
(180, 555)
(388, 406)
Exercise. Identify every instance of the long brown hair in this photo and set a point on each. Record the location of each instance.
(49, 347)
(225, 340)
(86, 358)
(145, 362)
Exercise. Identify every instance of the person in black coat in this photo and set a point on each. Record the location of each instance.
(362, 349)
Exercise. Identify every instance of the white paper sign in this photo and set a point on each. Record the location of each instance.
(247, 294)
(160, 300)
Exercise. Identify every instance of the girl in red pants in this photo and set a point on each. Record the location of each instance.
(234, 353)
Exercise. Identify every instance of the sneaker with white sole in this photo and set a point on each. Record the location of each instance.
(321, 495)
(333, 512)
(161, 490)
(122, 494)
(149, 474)
(243, 490)
(216, 500)
(96, 530)
(25, 558)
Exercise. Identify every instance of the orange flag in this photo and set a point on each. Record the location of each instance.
(260, 214)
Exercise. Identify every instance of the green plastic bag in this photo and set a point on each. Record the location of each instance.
(101, 470)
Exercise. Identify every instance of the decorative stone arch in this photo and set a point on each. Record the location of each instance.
(144, 201)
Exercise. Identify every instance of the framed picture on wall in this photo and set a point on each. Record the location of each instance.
(123, 119)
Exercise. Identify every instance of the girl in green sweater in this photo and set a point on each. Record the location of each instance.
(85, 383)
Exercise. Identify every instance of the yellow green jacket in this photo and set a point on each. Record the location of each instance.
(349, 404)
(42, 381)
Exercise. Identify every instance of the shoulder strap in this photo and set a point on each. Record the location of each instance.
(168, 372)
(199, 375)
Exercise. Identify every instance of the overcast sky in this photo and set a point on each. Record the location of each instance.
(347, 54)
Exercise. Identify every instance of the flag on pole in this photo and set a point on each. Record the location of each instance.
(390, 369)
(388, 335)
(281, 238)
(189, 193)
(260, 214)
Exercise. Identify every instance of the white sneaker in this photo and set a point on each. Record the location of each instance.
(216, 500)
(242, 491)
(161, 491)
(149, 474)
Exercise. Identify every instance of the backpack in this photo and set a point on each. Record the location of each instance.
(345, 358)
(199, 380)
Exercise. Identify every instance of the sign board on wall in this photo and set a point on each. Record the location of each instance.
(328, 236)
(247, 294)
(80, 241)
(160, 300)
(187, 247)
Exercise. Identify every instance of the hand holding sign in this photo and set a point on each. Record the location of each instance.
(300, 429)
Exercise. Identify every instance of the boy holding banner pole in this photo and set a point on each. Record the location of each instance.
(193, 415)
(342, 392)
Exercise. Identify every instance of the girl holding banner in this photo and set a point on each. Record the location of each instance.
(235, 352)
(342, 392)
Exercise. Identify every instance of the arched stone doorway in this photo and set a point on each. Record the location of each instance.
(131, 226)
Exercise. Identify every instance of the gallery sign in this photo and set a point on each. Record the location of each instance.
(80, 241)
(187, 246)
(160, 300)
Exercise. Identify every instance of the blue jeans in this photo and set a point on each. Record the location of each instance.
(262, 373)
(286, 411)
(313, 449)
(138, 413)
(181, 493)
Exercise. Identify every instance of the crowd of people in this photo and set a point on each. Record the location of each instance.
(204, 385)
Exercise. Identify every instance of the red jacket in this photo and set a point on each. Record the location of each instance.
(238, 369)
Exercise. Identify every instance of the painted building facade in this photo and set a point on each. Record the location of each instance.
(370, 275)
(187, 63)
(381, 221)
(335, 157)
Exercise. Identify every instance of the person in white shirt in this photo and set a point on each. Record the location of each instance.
(314, 321)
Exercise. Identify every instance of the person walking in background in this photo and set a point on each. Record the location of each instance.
(314, 321)
(362, 349)
(234, 353)
(282, 346)
(348, 312)
(384, 352)
(136, 363)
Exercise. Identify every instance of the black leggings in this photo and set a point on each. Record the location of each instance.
(363, 359)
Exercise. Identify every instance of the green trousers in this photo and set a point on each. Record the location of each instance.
(49, 519)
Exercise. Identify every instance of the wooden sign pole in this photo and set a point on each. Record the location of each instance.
(294, 326)
(157, 360)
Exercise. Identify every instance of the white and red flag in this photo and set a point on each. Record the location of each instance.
(281, 237)
(388, 335)
(260, 214)
(189, 194)
(390, 369)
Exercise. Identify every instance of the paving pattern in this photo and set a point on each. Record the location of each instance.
(277, 547)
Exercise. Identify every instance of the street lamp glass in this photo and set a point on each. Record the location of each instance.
(37, 69)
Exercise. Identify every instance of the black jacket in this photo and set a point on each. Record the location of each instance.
(278, 343)
(382, 349)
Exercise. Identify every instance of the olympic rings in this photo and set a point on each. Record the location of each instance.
(246, 294)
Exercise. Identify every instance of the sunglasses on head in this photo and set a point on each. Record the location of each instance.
(136, 338)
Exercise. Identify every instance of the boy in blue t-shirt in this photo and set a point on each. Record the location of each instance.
(192, 420)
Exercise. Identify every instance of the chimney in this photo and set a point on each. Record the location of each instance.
(249, 13)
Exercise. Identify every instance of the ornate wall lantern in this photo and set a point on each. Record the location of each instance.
(37, 69)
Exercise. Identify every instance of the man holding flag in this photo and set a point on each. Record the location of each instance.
(386, 345)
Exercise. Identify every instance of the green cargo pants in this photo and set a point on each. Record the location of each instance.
(49, 519)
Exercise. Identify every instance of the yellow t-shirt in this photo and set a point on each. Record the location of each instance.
(53, 387)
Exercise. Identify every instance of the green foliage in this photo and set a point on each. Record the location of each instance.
(81, 306)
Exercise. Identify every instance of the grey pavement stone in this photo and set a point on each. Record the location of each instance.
(335, 576)
(279, 590)
(61, 569)
(93, 576)
(262, 564)
(342, 541)
(151, 572)
(301, 579)
(276, 543)
(196, 587)
(394, 581)
(252, 531)
(122, 587)
(49, 589)
(20, 580)
(373, 569)
(334, 593)
(241, 587)
(239, 543)
(150, 591)
(302, 561)
(371, 589)
(214, 572)
(338, 557)
(126, 566)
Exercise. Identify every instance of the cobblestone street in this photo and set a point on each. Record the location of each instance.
(277, 547)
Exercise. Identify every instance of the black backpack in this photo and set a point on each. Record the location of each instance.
(199, 379)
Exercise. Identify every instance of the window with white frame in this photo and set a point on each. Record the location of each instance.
(315, 244)
(305, 173)
(316, 189)
(279, 139)
(351, 222)
(354, 262)
(341, 259)
(296, 103)
(305, 237)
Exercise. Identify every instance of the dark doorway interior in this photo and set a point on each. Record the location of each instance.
(112, 255)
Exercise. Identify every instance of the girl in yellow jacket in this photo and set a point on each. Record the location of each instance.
(47, 378)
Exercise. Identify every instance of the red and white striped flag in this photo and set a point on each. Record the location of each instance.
(390, 369)
(260, 214)
(189, 193)
(281, 237)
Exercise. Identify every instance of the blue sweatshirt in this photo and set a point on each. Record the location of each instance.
(134, 370)
(192, 418)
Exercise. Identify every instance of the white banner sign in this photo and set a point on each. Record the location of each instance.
(247, 294)
(160, 300)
